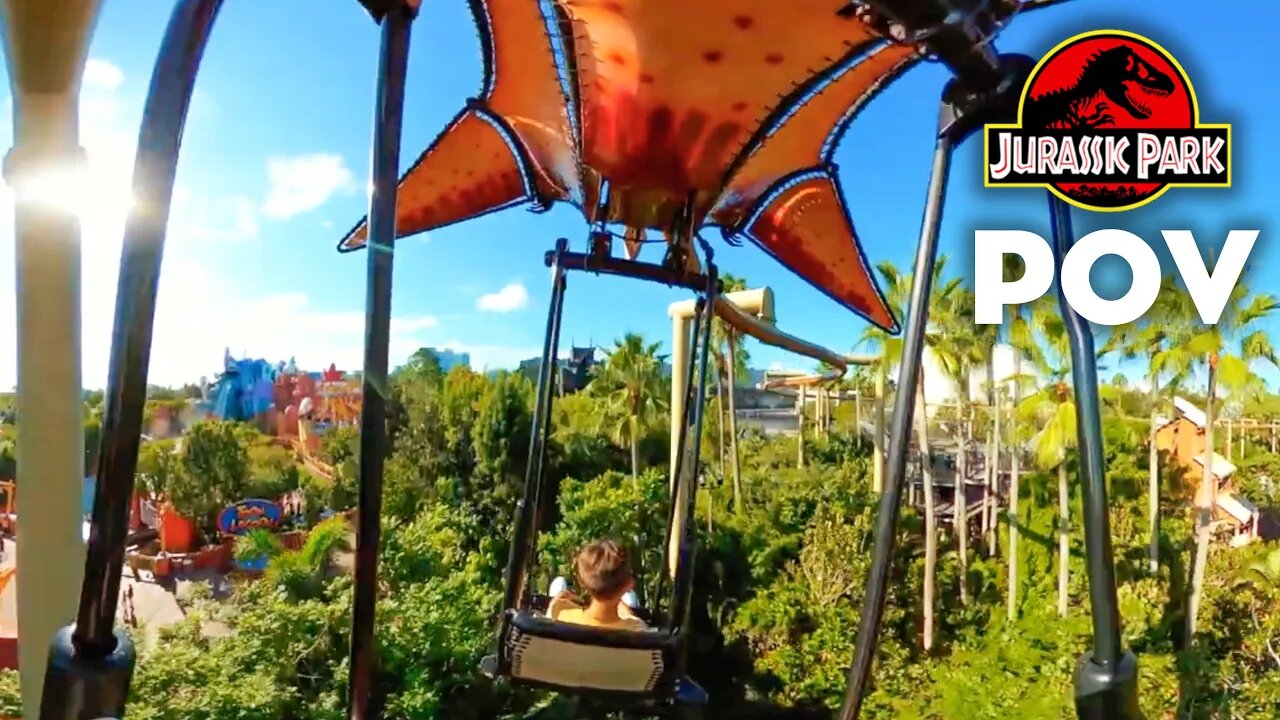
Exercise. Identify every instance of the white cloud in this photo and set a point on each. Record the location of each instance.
(303, 183)
(509, 299)
(102, 75)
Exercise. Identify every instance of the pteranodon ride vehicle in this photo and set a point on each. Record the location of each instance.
(669, 116)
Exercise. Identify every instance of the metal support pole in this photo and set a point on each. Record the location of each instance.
(527, 507)
(542, 439)
(1106, 678)
(899, 441)
(90, 663)
(682, 586)
(45, 45)
(734, 457)
(388, 116)
(964, 109)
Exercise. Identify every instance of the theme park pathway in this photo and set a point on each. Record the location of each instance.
(156, 607)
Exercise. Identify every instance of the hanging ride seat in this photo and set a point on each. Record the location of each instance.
(604, 663)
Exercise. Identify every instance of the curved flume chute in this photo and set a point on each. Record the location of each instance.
(767, 333)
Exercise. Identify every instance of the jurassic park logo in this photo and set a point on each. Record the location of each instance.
(1108, 121)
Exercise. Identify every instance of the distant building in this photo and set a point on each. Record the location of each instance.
(1183, 438)
(575, 370)
(449, 359)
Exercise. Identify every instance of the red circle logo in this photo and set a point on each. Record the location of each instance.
(1109, 121)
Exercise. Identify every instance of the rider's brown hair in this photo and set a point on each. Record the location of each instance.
(604, 570)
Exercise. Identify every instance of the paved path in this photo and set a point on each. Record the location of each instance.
(156, 606)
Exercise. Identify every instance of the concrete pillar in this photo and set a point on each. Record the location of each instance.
(46, 43)
(759, 302)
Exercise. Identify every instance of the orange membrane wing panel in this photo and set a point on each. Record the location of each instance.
(672, 91)
(807, 138)
(468, 171)
(806, 228)
(523, 87)
(519, 129)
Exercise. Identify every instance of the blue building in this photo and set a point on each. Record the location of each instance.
(450, 359)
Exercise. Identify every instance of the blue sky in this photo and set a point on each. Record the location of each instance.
(275, 165)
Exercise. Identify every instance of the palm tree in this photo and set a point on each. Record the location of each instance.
(631, 382)
(1162, 338)
(958, 351)
(988, 337)
(1264, 574)
(729, 355)
(897, 288)
(300, 573)
(1019, 336)
(1227, 349)
(1054, 409)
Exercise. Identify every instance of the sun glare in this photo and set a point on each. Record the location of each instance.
(78, 189)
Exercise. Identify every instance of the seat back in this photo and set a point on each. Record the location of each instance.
(587, 659)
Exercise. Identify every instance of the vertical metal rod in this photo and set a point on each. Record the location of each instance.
(527, 506)
(388, 117)
(900, 433)
(155, 168)
(683, 584)
(1097, 521)
(45, 50)
(541, 496)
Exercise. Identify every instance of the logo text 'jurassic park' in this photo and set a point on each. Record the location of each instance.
(1108, 122)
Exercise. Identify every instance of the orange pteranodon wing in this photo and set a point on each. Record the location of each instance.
(784, 196)
(470, 170)
(514, 144)
(806, 228)
(672, 91)
(808, 137)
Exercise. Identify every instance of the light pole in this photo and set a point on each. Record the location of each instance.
(46, 43)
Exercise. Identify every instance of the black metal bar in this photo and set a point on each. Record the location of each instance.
(632, 269)
(543, 497)
(900, 432)
(1106, 678)
(522, 540)
(682, 586)
(695, 332)
(155, 168)
(388, 120)
(1097, 521)
(91, 664)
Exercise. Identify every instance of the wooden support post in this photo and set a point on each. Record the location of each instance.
(800, 409)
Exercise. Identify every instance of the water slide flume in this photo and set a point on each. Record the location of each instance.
(764, 330)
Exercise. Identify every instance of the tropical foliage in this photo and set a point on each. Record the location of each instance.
(976, 626)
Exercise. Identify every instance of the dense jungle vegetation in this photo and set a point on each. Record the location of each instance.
(780, 569)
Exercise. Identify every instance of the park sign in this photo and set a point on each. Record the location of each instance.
(1108, 121)
(246, 515)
